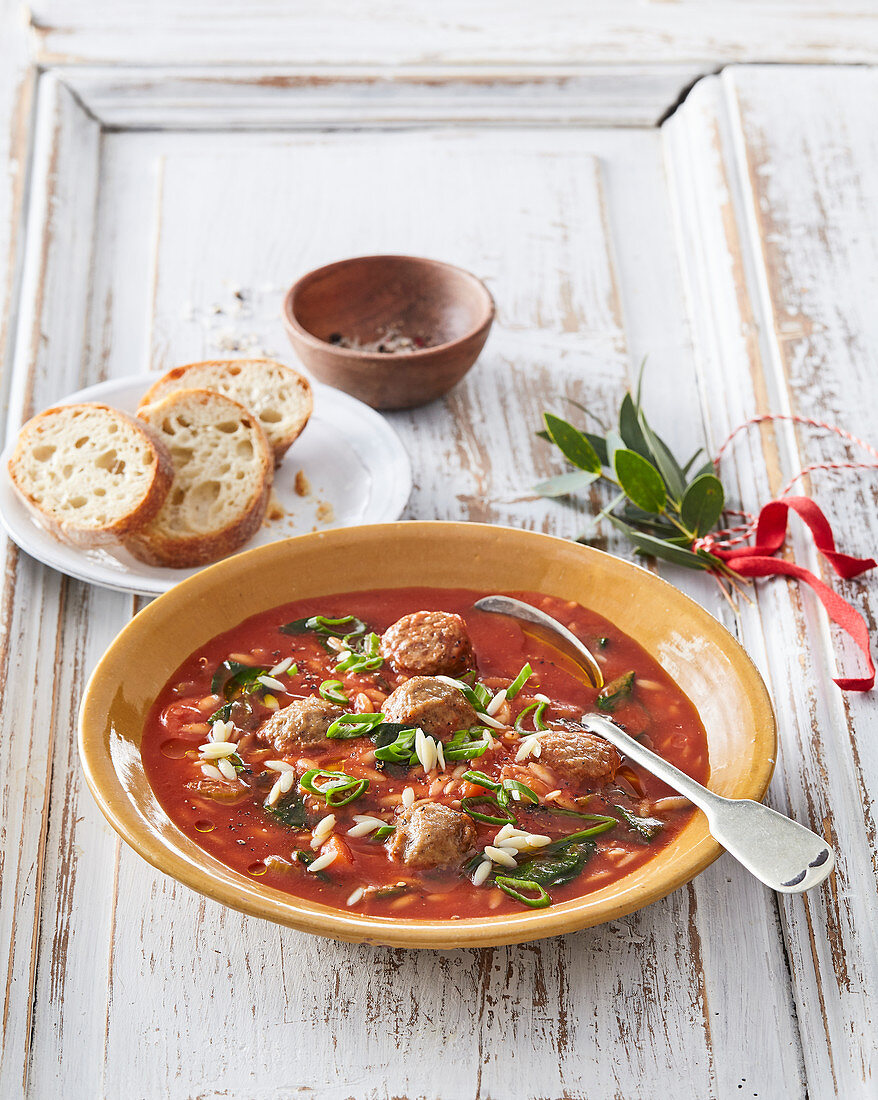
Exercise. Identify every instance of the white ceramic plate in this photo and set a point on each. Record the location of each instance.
(358, 469)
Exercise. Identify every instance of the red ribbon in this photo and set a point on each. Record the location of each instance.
(757, 561)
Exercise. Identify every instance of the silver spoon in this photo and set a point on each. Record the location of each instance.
(779, 852)
(506, 605)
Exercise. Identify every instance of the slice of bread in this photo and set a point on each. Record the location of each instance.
(90, 474)
(223, 471)
(279, 396)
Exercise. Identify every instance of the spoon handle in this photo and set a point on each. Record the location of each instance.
(779, 852)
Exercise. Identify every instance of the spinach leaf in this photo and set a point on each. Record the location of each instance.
(647, 827)
(394, 743)
(224, 714)
(233, 678)
(289, 811)
(557, 864)
(616, 692)
(344, 627)
(297, 626)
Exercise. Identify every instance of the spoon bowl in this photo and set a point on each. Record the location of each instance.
(506, 605)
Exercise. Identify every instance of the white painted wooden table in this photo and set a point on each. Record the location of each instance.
(733, 245)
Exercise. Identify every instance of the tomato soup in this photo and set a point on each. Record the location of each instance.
(398, 753)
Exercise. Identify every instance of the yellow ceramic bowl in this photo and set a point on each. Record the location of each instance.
(691, 646)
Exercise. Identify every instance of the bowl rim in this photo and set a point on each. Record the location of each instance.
(355, 355)
(213, 879)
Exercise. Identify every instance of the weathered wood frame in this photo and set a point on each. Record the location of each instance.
(798, 972)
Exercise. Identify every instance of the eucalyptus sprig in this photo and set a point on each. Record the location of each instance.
(662, 507)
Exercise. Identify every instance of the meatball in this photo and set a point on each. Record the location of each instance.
(429, 834)
(579, 757)
(438, 708)
(303, 722)
(433, 643)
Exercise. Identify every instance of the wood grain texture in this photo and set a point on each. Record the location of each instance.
(750, 139)
(401, 32)
(307, 96)
(147, 249)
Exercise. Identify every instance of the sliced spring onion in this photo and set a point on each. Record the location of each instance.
(519, 721)
(324, 625)
(339, 788)
(464, 746)
(518, 683)
(353, 725)
(605, 822)
(538, 709)
(481, 780)
(505, 790)
(348, 626)
(483, 694)
(383, 832)
(514, 886)
(511, 787)
(501, 817)
(348, 661)
(477, 696)
(400, 749)
(333, 692)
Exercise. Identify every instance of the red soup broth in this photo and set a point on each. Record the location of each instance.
(228, 819)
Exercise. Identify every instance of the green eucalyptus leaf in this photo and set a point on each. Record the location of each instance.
(640, 481)
(629, 428)
(543, 434)
(677, 555)
(584, 409)
(614, 443)
(652, 525)
(564, 484)
(702, 504)
(574, 445)
(659, 548)
(600, 447)
(667, 465)
(707, 468)
(688, 465)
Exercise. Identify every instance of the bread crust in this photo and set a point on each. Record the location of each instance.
(88, 538)
(156, 547)
(175, 380)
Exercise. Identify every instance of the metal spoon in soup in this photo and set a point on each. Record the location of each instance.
(780, 852)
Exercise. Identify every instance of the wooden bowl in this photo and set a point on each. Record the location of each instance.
(703, 658)
(361, 299)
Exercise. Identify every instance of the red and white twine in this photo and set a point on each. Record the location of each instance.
(742, 532)
(733, 547)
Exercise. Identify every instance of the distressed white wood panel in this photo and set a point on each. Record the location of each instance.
(274, 97)
(830, 933)
(17, 82)
(419, 31)
(54, 627)
(72, 951)
(814, 205)
(560, 327)
(576, 240)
